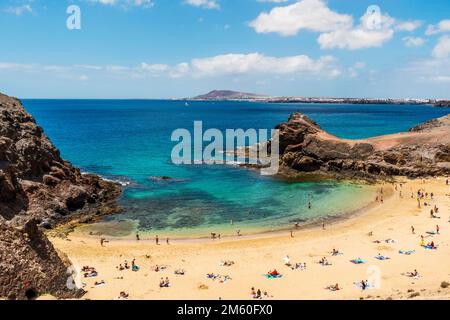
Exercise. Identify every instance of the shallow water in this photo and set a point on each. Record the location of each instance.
(129, 141)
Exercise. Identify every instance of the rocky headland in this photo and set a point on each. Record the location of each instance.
(39, 190)
(306, 150)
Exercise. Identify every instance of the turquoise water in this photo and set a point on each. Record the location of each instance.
(129, 141)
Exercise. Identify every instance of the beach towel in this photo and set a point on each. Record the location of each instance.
(358, 261)
(273, 276)
(407, 252)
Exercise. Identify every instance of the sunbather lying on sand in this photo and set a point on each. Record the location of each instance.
(407, 252)
(324, 262)
(287, 261)
(297, 266)
(257, 294)
(91, 274)
(180, 272)
(336, 253)
(431, 246)
(381, 257)
(227, 263)
(164, 283)
(414, 274)
(333, 287)
(158, 268)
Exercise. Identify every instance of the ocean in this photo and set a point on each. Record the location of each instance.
(130, 141)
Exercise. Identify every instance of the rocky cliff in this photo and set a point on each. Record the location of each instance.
(306, 150)
(38, 189)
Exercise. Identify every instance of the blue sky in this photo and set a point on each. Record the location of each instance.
(181, 48)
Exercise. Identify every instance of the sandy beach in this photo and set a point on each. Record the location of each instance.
(384, 228)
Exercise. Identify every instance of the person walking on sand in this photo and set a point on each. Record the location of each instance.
(437, 229)
(323, 225)
(167, 240)
(157, 240)
(292, 234)
(413, 230)
(102, 242)
(137, 237)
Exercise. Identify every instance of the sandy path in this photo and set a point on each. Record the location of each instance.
(255, 256)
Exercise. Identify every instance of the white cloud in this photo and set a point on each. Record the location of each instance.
(413, 41)
(256, 63)
(19, 10)
(336, 30)
(442, 49)
(273, 1)
(207, 4)
(365, 35)
(441, 27)
(408, 26)
(146, 4)
(233, 64)
(311, 15)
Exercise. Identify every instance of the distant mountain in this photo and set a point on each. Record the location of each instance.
(229, 95)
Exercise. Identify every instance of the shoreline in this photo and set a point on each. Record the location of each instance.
(254, 256)
(252, 231)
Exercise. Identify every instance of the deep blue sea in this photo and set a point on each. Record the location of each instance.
(130, 141)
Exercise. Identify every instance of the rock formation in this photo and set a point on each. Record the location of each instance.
(306, 150)
(38, 189)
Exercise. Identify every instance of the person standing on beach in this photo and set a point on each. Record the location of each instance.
(167, 240)
(437, 229)
(137, 237)
(102, 242)
(413, 230)
(323, 225)
(292, 234)
(157, 240)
